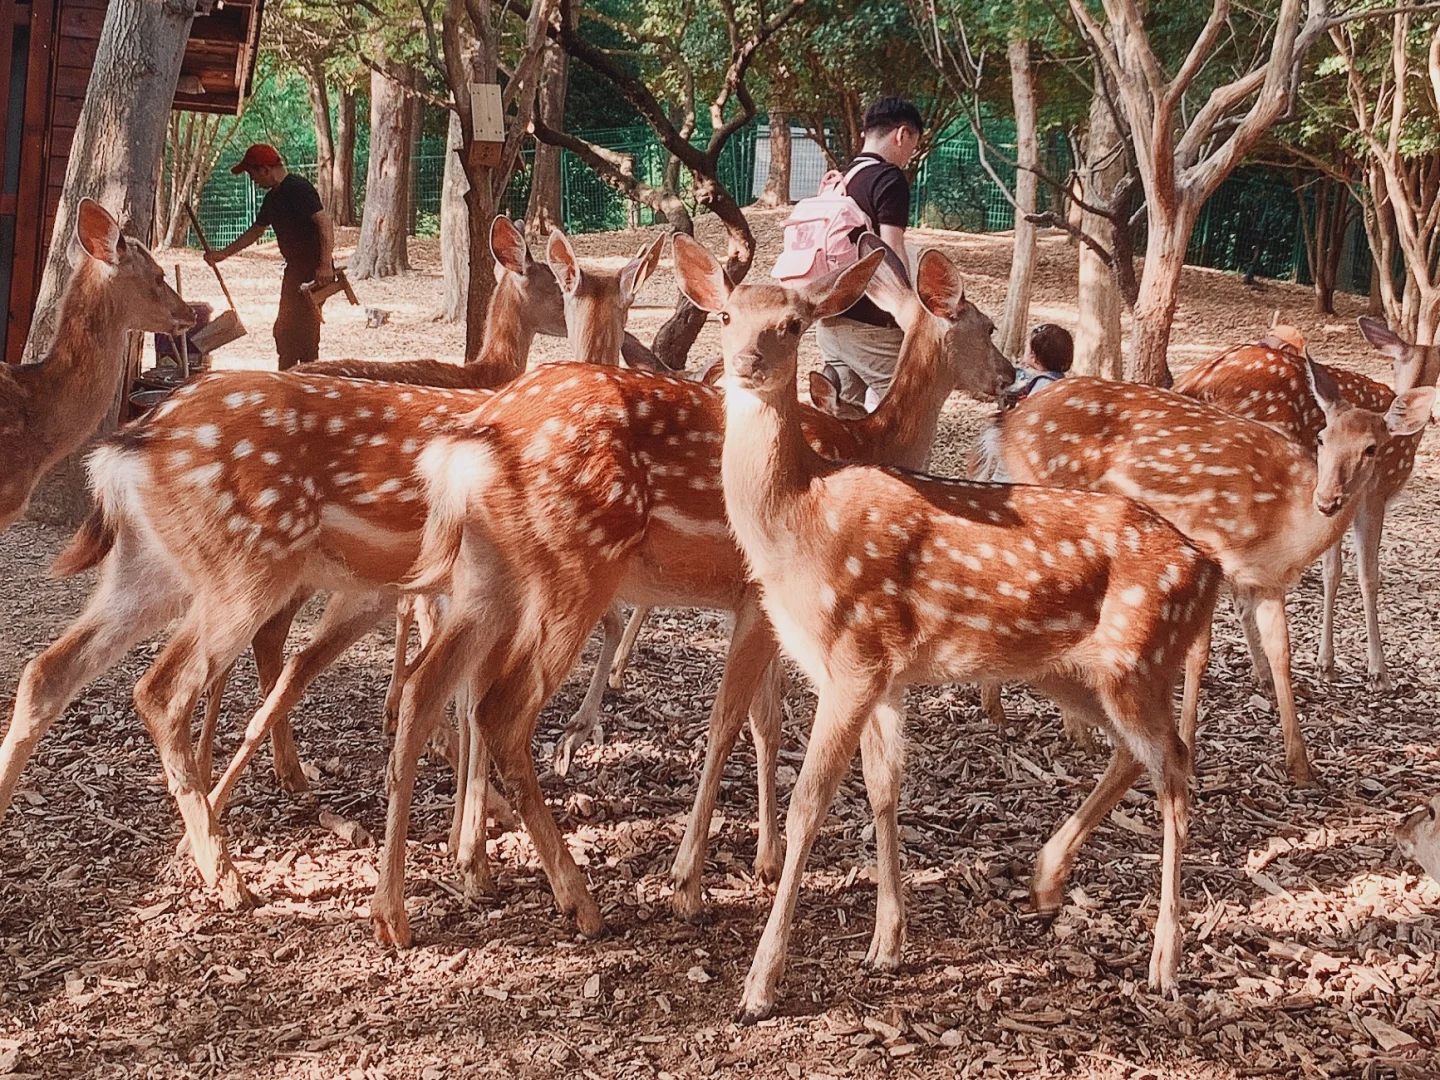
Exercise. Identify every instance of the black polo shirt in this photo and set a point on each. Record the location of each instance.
(290, 208)
(883, 193)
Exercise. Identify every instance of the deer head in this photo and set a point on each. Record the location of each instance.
(597, 301)
(534, 281)
(937, 305)
(760, 325)
(1415, 365)
(1345, 456)
(127, 272)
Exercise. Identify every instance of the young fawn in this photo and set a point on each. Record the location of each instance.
(241, 492)
(1256, 502)
(49, 409)
(527, 566)
(1268, 384)
(876, 579)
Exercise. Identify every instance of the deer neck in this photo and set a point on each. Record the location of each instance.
(509, 334)
(905, 423)
(1311, 532)
(73, 388)
(767, 469)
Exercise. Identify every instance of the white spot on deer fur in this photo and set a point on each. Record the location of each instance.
(208, 436)
(334, 425)
(180, 458)
(827, 597)
(268, 497)
(236, 523)
(234, 401)
(853, 565)
(243, 448)
(203, 476)
(975, 622)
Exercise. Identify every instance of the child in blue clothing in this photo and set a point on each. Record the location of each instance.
(1048, 357)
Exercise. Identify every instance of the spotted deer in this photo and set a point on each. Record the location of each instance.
(49, 409)
(532, 552)
(876, 579)
(1418, 836)
(1254, 501)
(241, 492)
(1268, 384)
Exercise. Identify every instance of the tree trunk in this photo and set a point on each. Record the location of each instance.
(382, 250)
(115, 159)
(412, 168)
(324, 138)
(1022, 262)
(1097, 338)
(545, 210)
(454, 229)
(342, 186)
(777, 180)
(1159, 295)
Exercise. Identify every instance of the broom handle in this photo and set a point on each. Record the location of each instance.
(205, 246)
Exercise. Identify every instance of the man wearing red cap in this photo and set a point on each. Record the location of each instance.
(306, 238)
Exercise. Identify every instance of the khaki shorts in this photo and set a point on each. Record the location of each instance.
(864, 356)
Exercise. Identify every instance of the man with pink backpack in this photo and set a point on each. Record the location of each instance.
(861, 347)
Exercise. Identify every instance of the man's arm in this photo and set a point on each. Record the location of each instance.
(240, 243)
(325, 272)
(894, 237)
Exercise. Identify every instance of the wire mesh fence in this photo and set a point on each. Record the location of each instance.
(1253, 221)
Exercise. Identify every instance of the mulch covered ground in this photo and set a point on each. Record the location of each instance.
(1311, 946)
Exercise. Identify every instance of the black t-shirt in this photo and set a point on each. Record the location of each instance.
(290, 208)
(883, 193)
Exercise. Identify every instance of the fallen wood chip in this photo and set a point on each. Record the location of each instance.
(352, 832)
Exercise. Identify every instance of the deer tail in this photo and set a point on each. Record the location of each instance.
(453, 469)
(90, 544)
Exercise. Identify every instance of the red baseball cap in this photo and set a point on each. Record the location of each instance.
(257, 157)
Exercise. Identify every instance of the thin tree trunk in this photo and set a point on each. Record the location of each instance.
(777, 180)
(545, 210)
(382, 249)
(342, 186)
(1159, 295)
(1097, 338)
(454, 228)
(115, 159)
(1022, 262)
(412, 170)
(324, 137)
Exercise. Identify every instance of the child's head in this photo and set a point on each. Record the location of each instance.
(1051, 348)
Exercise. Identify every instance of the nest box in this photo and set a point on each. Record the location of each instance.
(487, 120)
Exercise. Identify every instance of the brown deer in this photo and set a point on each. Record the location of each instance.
(527, 568)
(876, 579)
(1254, 501)
(1268, 384)
(49, 409)
(285, 484)
(1418, 836)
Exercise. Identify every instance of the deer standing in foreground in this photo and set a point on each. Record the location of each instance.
(876, 579)
(1268, 385)
(242, 491)
(49, 409)
(1251, 499)
(525, 577)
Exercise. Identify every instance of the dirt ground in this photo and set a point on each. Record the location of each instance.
(1310, 949)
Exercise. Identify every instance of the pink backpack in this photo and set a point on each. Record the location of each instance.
(819, 234)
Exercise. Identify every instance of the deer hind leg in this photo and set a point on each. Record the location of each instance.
(1275, 637)
(1368, 527)
(752, 647)
(472, 790)
(627, 646)
(767, 714)
(1197, 659)
(269, 650)
(991, 703)
(842, 714)
(1332, 567)
(882, 756)
(1245, 609)
(347, 617)
(214, 699)
(587, 717)
(1052, 865)
(404, 619)
(126, 608)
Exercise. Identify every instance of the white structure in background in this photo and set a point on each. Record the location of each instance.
(807, 164)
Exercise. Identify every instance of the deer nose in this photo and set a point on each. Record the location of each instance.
(1329, 505)
(744, 364)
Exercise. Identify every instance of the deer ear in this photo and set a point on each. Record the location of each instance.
(712, 371)
(99, 233)
(508, 246)
(562, 259)
(1383, 338)
(1322, 386)
(889, 289)
(939, 285)
(699, 276)
(639, 269)
(838, 291)
(823, 394)
(1410, 411)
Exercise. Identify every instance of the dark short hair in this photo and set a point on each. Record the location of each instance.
(888, 113)
(1053, 346)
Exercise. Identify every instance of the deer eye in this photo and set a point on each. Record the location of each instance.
(1320, 440)
(1431, 811)
(792, 326)
(1370, 450)
(724, 318)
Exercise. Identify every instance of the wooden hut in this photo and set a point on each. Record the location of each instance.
(47, 48)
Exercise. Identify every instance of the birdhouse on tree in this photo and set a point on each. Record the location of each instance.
(487, 121)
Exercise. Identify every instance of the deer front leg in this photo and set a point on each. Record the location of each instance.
(1368, 527)
(1332, 569)
(587, 717)
(404, 619)
(767, 714)
(882, 757)
(1264, 676)
(627, 646)
(205, 752)
(1197, 659)
(1275, 636)
(269, 650)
